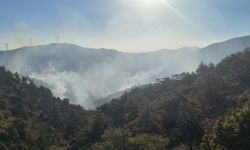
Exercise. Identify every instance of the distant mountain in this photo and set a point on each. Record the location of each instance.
(85, 74)
(62, 57)
(215, 52)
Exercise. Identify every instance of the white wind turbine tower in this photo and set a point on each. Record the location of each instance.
(57, 39)
(7, 46)
(30, 42)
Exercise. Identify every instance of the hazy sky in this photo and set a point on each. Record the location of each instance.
(126, 25)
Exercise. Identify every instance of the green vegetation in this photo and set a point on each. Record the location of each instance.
(232, 132)
(208, 109)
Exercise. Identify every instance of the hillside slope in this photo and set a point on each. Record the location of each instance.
(217, 51)
(208, 109)
(31, 118)
(185, 108)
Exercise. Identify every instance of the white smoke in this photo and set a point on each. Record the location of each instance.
(86, 75)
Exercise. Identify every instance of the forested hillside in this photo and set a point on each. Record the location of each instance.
(203, 110)
(31, 118)
(207, 109)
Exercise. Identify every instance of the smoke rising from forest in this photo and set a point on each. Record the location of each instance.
(85, 75)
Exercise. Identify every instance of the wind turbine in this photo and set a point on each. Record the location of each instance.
(58, 39)
(30, 41)
(7, 46)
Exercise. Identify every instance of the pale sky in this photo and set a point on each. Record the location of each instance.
(125, 25)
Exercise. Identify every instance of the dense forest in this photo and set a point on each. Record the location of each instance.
(208, 109)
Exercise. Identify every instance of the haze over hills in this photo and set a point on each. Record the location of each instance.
(124, 75)
(217, 51)
(85, 75)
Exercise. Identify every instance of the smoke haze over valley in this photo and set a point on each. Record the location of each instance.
(124, 75)
(86, 75)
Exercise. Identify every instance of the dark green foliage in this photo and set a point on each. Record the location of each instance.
(31, 118)
(233, 132)
(2, 104)
(236, 67)
(3, 146)
(114, 139)
(122, 139)
(20, 110)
